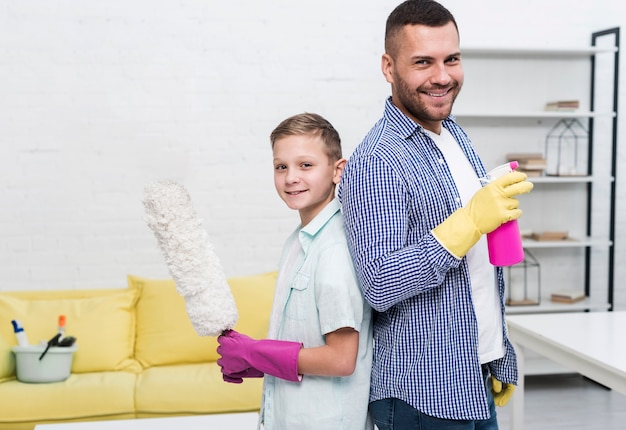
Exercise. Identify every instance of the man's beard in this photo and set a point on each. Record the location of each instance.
(410, 99)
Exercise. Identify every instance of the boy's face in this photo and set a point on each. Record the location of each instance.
(304, 176)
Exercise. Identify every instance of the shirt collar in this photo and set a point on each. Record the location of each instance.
(308, 232)
(405, 125)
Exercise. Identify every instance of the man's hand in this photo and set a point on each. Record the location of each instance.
(490, 207)
(502, 392)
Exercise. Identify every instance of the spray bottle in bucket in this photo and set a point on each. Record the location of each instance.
(505, 242)
(20, 334)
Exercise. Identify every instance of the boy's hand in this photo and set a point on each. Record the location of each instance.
(241, 353)
(237, 378)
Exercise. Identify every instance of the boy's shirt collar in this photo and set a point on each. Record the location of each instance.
(308, 232)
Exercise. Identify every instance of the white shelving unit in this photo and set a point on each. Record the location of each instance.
(502, 108)
(505, 107)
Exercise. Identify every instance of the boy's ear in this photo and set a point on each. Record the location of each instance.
(339, 166)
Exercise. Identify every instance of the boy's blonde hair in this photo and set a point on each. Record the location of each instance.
(310, 124)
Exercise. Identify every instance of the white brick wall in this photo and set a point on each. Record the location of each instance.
(100, 98)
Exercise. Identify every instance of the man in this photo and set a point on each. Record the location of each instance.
(416, 217)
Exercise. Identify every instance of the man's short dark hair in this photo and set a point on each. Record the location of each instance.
(416, 12)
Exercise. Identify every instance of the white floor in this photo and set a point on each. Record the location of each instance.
(555, 402)
(237, 421)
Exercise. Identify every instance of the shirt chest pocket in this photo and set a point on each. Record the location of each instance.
(301, 301)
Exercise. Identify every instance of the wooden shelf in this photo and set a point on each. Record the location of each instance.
(571, 243)
(547, 179)
(534, 114)
(546, 306)
(549, 52)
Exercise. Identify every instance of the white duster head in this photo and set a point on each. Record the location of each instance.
(190, 258)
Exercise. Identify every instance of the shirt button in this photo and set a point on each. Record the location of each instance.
(442, 161)
(458, 200)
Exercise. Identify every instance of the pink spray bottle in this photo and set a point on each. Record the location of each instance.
(505, 242)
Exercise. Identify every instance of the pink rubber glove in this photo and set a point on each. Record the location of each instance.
(237, 378)
(240, 353)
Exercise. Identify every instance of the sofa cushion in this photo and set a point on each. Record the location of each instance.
(101, 395)
(103, 325)
(165, 334)
(7, 362)
(210, 394)
(254, 296)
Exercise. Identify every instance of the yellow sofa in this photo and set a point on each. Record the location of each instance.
(138, 354)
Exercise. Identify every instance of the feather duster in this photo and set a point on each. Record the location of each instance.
(190, 258)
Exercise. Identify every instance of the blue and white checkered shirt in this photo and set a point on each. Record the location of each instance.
(395, 189)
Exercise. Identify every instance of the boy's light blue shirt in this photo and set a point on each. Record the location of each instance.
(323, 295)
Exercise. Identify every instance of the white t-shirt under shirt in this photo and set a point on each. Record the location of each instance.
(482, 274)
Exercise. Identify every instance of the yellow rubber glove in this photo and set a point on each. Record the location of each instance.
(490, 207)
(501, 392)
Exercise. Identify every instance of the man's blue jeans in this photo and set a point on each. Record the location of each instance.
(395, 414)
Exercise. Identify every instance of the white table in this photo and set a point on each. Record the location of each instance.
(237, 421)
(590, 343)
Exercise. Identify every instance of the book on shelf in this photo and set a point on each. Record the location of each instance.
(533, 164)
(549, 235)
(531, 173)
(521, 156)
(563, 105)
(567, 296)
(529, 162)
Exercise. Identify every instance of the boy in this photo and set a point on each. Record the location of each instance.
(317, 365)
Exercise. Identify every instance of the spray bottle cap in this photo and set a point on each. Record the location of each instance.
(62, 321)
(501, 170)
(17, 326)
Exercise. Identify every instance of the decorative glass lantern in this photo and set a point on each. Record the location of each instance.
(565, 141)
(524, 282)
